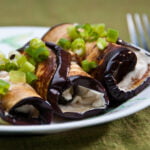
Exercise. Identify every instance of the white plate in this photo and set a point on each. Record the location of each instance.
(14, 37)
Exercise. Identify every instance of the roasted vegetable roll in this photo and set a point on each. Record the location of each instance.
(71, 91)
(121, 68)
(22, 105)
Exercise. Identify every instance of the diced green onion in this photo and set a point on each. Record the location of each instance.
(21, 59)
(87, 66)
(4, 87)
(41, 54)
(30, 51)
(64, 43)
(36, 43)
(37, 50)
(27, 67)
(101, 43)
(87, 33)
(87, 27)
(99, 28)
(30, 77)
(11, 66)
(32, 61)
(17, 76)
(73, 32)
(78, 46)
(112, 35)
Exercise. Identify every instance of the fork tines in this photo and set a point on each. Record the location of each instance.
(141, 25)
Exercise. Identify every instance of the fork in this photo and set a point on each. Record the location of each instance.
(135, 23)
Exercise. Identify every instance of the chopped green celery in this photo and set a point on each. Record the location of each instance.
(64, 43)
(27, 67)
(36, 43)
(73, 32)
(112, 35)
(4, 87)
(30, 77)
(78, 46)
(17, 76)
(87, 66)
(101, 43)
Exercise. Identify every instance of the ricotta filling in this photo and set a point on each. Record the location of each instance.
(141, 68)
(84, 100)
(28, 109)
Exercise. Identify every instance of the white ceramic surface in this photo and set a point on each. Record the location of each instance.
(12, 38)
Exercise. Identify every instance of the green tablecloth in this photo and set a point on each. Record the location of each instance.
(129, 133)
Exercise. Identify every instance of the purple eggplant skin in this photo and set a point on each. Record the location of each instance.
(93, 85)
(115, 65)
(15, 118)
(61, 82)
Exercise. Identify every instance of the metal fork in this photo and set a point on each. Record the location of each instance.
(139, 26)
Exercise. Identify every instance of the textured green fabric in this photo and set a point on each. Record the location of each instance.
(129, 133)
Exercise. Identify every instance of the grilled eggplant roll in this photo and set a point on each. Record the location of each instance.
(71, 91)
(21, 105)
(122, 68)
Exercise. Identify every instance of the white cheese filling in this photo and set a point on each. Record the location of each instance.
(140, 69)
(85, 99)
(28, 109)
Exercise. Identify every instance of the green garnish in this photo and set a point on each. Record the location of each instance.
(78, 46)
(99, 29)
(10, 66)
(112, 35)
(21, 59)
(41, 54)
(101, 43)
(37, 50)
(64, 43)
(4, 87)
(27, 67)
(30, 77)
(17, 76)
(87, 66)
(73, 32)
(36, 43)
(87, 33)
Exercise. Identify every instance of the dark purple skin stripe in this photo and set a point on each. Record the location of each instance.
(60, 82)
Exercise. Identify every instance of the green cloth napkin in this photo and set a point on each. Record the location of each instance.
(128, 133)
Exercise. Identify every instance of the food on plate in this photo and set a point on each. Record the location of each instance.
(121, 68)
(74, 71)
(19, 102)
(71, 92)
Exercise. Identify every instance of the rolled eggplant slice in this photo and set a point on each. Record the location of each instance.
(22, 105)
(82, 96)
(124, 71)
(57, 32)
(71, 91)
